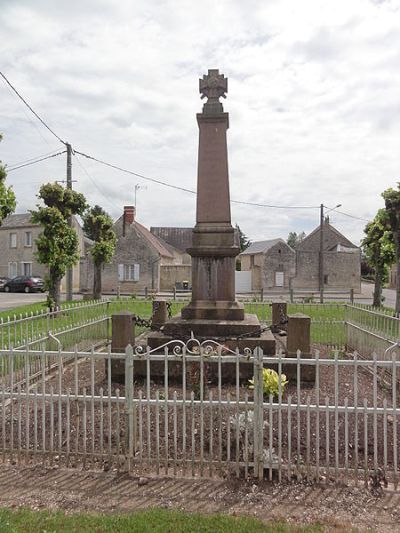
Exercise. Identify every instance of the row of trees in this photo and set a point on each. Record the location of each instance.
(381, 244)
(57, 244)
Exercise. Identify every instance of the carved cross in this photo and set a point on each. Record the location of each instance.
(213, 85)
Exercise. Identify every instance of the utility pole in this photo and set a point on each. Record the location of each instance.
(321, 255)
(69, 279)
(321, 250)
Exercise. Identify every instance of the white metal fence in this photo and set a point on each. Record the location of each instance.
(370, 331)
(193, 414)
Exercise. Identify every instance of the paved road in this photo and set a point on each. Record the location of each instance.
(9, 300)
(389, 294)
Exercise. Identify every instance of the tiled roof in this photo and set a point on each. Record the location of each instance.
(18, 221)
(259, 247)
(154, 241)
(180, 238)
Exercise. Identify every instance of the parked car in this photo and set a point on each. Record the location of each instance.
(24, 284)
(3, 281)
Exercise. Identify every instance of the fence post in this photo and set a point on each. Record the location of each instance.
(258, 414)
(146, 293)
(352, 296)
(130, 411)
(262, 294)
(174, 294)
(291, 296)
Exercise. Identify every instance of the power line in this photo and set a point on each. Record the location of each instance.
(147, 178)
(160, 182)
(352, 216)
(30, 108)
(34, 162)
(277, 206)
(31, 159)
(94, 182)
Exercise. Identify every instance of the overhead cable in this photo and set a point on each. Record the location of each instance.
(34, 162)
(30, 108)
(10, 165)
(160, 182)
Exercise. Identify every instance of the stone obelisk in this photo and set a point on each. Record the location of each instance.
(213, 312)
(214, 249)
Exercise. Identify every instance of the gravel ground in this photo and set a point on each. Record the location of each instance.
(338, 509)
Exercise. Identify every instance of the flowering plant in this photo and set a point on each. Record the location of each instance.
(271, 382)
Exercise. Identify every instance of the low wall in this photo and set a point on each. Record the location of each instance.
(367, 343)
(170, 275)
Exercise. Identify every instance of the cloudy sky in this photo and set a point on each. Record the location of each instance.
(313, 98)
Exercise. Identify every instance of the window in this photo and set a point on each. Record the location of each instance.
(26, 269)
(128, 272)
(28, 238)
(13, 240)
(12, 269)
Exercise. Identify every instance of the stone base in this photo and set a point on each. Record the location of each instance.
(215, 310)
(180, 328)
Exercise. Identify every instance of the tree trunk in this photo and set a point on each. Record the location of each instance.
(97, 281)
(54, 289)
(378, 287)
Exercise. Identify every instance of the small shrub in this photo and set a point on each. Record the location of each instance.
(271, 382)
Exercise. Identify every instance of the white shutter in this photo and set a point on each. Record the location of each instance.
(120, 272)
(136, 272)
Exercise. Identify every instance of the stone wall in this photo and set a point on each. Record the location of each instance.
(342, 270)
(172, 274)
(279, 258)
(332, 238)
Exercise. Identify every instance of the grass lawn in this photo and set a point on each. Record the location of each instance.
(323, 331)
(154, 520)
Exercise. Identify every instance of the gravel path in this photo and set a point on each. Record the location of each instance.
(338, 509)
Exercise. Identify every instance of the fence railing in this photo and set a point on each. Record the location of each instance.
(22, 330)
(369, 331)
(184, 412)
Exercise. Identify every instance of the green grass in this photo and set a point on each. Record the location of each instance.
(327, 320)
(154, 520)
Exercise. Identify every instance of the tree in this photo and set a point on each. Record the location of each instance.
(97, 225)
(57, 245)
(7, 196)
(244, 242)
(392, 204)
(379, 250)
(293, 239)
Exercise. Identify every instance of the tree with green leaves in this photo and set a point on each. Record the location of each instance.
(392, 204)
(379, 250)
(57, 245)
(98, 226)
(293, 239)
(244, 242)
(7, 196)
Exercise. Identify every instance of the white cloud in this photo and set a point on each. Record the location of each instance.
(313, 102)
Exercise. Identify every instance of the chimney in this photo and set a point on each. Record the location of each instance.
(129, 217)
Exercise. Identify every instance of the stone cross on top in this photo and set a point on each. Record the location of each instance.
(213, 85)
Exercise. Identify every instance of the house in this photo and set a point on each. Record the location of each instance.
(341, 260)
(177, 275)
(272, 264)
(17, 244)
(141, 260)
